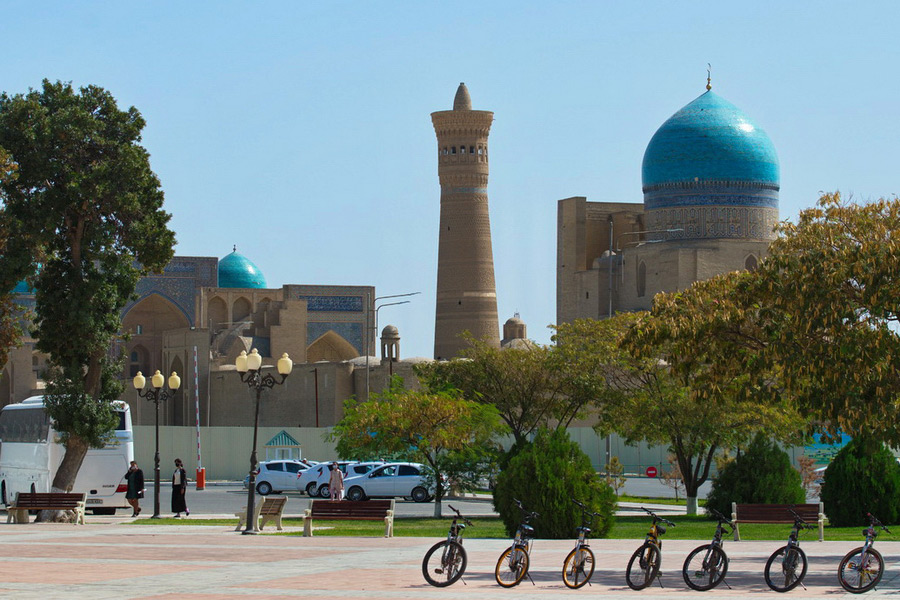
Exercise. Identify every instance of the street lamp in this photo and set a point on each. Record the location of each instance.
(249, 367)
(155, 394)
(369, 328)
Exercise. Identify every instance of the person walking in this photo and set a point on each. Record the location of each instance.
(134, 477)
(179, 487)
(336, 483)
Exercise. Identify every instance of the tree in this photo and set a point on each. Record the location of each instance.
(615, 474)
(677, 392)
(546, 476)
(671, 477)
(9, 325)
(863, 477)
(453, 436)
(86, 212)
(519, 382)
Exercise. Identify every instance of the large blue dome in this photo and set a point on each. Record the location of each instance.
(238, 271)
(710, 139)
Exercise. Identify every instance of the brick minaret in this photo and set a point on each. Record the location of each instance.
(466, 295)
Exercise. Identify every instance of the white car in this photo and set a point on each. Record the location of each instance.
(277, 475)
(405, 480)
(316, 483)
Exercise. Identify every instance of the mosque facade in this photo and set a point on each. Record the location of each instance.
(710, 184)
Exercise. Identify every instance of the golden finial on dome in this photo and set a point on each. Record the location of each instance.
(708, 77)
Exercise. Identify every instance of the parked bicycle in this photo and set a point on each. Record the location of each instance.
(512, 566)
(445, 562)
(579, 564)
(706, 566)
(787, 566)
(643, 567)
(862, 568)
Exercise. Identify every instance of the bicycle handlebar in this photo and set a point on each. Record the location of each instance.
(525, 513)
(459, 515)
(721, 518)
(656, 517)
(876, 523)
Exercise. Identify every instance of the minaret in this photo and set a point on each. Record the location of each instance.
(466, 295)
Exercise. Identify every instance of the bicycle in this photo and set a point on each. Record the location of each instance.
(579, 564)
(648, 556)
(512, 566)
(862, 568)
(447, 559)
(706, 566)
(790, 557)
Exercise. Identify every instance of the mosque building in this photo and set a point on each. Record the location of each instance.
(710, 183)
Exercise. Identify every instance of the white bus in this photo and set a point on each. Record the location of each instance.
(30, 456)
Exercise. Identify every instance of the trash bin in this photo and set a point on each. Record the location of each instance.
(201, 478)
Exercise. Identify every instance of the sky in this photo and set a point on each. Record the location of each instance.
(301, 132)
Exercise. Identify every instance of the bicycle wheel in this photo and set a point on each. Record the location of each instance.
(643, 567)
(786, 568)
(705, 567)
(511, 567)
(859, 573)
(578, 567)
(444, 563)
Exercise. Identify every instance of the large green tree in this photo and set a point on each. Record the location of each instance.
(85, 213)
(9, 326)
(455, 437)
(526, 385)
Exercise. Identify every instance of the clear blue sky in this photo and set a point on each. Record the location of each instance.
(300, 131)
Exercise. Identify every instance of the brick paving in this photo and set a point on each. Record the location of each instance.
(111, 560)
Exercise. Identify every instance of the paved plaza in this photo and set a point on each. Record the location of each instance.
(108, 559)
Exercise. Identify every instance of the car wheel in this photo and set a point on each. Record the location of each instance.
(311, 489)
(356, 494)
(420, 494)
(264, 488)
(324, 491)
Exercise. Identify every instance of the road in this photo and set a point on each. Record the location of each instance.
(219, 499)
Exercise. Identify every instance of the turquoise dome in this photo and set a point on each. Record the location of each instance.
(23, 288)
(238, 271)
(710, 139)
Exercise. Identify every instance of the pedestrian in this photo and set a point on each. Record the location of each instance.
(134, 477)
(336, 483)
(179, 486)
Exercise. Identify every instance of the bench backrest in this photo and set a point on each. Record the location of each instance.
(348, 509)
(776, 513)
(51, 500)
(273, 505)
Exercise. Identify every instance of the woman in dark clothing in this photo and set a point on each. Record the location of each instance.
(135, 479)
(179, 486)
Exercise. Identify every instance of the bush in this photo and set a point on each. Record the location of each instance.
(863, 477)
(547, 475)
(762, 474)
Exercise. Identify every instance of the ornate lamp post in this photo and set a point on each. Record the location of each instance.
(249, 367)
(155, 394)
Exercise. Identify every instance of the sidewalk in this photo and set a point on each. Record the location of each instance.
(100, 561)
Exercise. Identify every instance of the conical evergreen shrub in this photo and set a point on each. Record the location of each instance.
(546, 476)
(761, 474)
(863, 477)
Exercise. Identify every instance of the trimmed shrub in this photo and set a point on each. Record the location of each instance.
(547, 475)
(761, 474)
(863, 477)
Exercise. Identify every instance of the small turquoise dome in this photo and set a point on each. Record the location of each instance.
(710, 139)
(238, 271)
(23, 288)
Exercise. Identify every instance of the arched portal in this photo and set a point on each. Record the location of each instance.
(240, 310)
(330, 347)
(217, 312)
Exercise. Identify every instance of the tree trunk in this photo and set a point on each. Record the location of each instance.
(692, 505)
(64, 481)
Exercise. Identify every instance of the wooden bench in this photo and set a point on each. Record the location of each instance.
(777, 513)
(349, 510)
(270, 508)
(25, 501)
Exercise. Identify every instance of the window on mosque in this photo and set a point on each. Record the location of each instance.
(471, 149)
(750, 264)
(462, 149)
(480, 150)
(444, 151)
(139, 329)
(453, 150)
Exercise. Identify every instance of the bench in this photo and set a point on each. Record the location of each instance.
(25, 501)
(777, 513)
(270, 508)
(349, 510)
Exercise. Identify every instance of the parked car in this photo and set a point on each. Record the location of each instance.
(315, 483)
(405, 480)
(277, 476)
(307, 480)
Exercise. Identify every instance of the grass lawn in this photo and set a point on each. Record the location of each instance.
(666, 501)
(687, 528)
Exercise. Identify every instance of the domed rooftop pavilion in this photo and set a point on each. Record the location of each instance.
(238, 271)
(711, 172)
